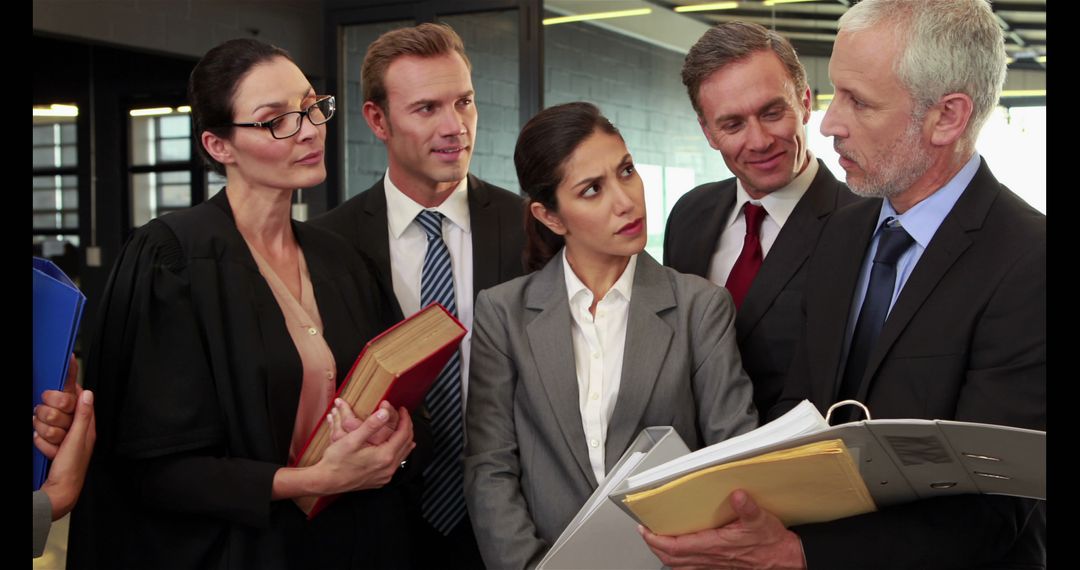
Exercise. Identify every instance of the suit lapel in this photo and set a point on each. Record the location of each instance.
(711, 223)
(829, 323)
(790, 251)
(552, 347)
(948, 244)
(647, 339)
(372, 226)
(484, 220)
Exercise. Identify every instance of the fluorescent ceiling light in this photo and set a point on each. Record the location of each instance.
(710, 6)
(1024, 93)
(1041, 59)
(824, 97)
(57, 111)
(597, 16)
(183, 109)
(775, 2)
(149, 112)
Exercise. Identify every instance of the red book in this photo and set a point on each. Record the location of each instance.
(398, 366)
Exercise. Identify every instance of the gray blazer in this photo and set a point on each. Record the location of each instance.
(527, 467)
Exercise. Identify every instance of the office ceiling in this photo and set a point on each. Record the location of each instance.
(811, 25)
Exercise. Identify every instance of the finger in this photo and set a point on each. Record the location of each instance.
(745, 506)
(51, 416)
(91, 429)
(369, 426)
(84, 414)
(336, 429)
(47, 449)
(405, 423)
(402, 437)
(380, 437)
(49, 433)
(63, 401)
(73, 374)
(660, 545)
(393, 420)
(343, 409)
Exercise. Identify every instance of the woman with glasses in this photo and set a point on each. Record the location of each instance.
(224, 332)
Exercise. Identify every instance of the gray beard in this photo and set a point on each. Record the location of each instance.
(907, 161)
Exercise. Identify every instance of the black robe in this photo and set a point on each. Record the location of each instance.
(196, 382)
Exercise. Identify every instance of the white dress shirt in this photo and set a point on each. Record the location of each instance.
(598, 354)
(778, 206)
(408, 244)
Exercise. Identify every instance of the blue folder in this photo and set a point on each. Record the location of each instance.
(58, 307)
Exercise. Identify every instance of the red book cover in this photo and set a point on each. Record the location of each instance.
(407, 389)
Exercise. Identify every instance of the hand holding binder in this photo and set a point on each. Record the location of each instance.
(756, 538)
(55, 413)
(58, 306)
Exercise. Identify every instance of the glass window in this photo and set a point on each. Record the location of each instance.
(159, 139)
(491, 40)
(55, 188)
(1013, 142)
(156, 193)
(214, 183)
(55, 142)
(365, 155)
(161, 165)
(637, 85)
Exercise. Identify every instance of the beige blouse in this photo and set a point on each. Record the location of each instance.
(305, 327)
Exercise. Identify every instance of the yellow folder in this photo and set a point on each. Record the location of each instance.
(815, 482)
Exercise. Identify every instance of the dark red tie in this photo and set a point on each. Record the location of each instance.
(749, 261)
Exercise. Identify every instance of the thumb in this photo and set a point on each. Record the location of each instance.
(84, 415)
(70, 383)
(372, 424)
(748, 510)
(351, 424)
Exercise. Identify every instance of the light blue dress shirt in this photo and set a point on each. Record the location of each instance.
(921, 222)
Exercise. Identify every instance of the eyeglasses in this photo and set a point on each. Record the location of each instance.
(288, 124)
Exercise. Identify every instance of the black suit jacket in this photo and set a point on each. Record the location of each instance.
(966, 340)
(770, 319)
(498, 235)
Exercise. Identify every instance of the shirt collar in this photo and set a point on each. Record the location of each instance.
(575, 288)
(922, 221)
(780, 202)
(402, 210)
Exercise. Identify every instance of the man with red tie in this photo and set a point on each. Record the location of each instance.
(753, 233)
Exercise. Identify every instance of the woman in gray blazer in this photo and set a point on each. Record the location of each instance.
(572, 361)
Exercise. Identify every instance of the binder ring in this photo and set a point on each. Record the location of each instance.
(828, 414)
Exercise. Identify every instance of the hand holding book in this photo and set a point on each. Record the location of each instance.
(350, 463)
(353, 463)
(343, 420)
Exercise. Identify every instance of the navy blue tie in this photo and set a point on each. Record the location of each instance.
(892, 243)
(443, 499)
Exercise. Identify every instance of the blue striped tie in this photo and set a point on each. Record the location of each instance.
(443, 500)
